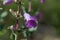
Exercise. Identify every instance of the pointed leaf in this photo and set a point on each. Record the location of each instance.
(4, 14)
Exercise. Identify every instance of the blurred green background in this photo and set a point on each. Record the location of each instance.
(50, 9)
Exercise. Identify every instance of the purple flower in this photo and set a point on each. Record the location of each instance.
(7, 2)
(30, 20)
(42, 1)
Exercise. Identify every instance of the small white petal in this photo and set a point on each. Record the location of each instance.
(33, 29)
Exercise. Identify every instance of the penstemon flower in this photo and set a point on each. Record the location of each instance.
(30, 20)
(7, 2)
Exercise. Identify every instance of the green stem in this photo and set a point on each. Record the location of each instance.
(29, 8)
(14, 35)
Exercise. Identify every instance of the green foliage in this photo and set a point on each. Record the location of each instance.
(3, 32)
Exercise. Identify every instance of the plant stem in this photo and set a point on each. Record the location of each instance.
(29, 8)
(15, 37)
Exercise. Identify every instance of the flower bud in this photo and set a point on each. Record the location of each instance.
(11, 27)
(7, 2)
(42, 1)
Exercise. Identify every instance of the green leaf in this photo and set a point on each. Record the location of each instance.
(4, 14)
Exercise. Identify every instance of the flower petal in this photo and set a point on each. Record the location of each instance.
(26, 16)
(31, 23)
(33, 18)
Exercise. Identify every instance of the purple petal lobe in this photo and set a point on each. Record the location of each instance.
(31, 23)
(33, 18)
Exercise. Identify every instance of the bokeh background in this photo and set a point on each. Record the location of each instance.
(49, 24)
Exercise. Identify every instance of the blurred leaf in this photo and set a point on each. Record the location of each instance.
(1, 8)
(24, 33)
(2, 32)
(1, 19)
(4, 14)
(12, 37)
